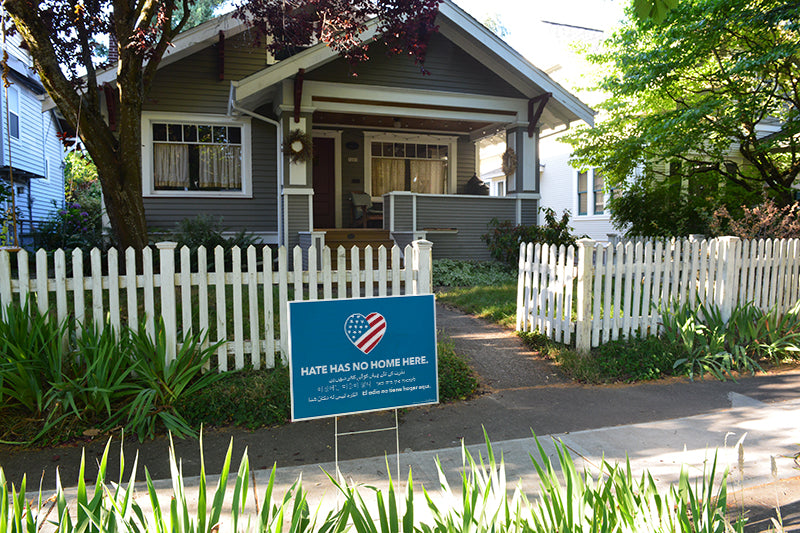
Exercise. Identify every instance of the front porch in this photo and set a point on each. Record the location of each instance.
(454, 223)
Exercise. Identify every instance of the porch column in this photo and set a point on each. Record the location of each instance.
(297, 190)
(526, 177)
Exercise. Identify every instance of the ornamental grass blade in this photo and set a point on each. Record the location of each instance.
(219, 494)
(240, 490)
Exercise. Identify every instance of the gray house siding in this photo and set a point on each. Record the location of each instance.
(468, 216)
(465, 162)
(451, 69)
(51, 188)
(257, 214)
(530, 212)
(192, 85)
(297, 207)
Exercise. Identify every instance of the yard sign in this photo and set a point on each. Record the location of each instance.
(359, 355)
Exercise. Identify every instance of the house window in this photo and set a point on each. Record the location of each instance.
(599, 193)
(183, 157)
(409, 162)
(501, 188)
(13, 112)
(583, 193)
(401, 166)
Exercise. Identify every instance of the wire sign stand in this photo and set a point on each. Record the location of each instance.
(395, 428)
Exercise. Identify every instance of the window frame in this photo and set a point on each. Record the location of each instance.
(14, 112)
(148, 183)
(601, 190)
(410, 138)
(584, 193)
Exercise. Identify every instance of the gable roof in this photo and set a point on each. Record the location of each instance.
(467, 33)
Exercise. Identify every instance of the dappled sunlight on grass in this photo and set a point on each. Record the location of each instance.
(493, 302)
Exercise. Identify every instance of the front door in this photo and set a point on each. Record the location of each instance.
(324, 183)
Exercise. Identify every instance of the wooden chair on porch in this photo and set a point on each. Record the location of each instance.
(363, 209)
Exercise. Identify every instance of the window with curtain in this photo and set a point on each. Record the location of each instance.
(599, 193)
(401, 166)
(197, 157)
(583, 192)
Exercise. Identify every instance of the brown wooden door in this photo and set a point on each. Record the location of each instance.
(324, 183)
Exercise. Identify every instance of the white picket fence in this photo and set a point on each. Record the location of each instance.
(599, 292)
(237, 305)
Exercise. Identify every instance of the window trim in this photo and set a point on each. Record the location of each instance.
(585, 192)
(418, 138)
(590, 197)
(14, 112)
(594, 194)
(148, 186)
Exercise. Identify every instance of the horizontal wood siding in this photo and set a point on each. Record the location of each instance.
(403, 213)
(298, 217)
(256, 214)
(451, 69)
(192, 85)
(468, 215)
(530, 210)
(242, 57)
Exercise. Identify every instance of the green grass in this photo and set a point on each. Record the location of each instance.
(493, 302)
(456, 379)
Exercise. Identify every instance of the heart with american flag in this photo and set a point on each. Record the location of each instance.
(365, 332)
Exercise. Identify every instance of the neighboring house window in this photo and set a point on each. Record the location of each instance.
(183, 156)
(13, 112)
(583, 193)
(501, 188)
(599, 193)
(415, 163)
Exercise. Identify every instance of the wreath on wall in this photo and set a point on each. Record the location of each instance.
(509, 162)
(297, 145)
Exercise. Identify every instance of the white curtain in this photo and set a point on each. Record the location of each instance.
(388, 175)
(428, 176)
(171, 165)
(220, 167)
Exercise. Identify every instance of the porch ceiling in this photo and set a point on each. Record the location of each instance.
(401, 123)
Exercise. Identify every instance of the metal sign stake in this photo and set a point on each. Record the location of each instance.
(337, 434)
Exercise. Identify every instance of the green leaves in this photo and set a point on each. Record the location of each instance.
(710, 93)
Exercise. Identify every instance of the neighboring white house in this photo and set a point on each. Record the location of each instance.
(562, 187)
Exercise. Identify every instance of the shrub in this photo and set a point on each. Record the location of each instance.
(504, 237)
(455, 273)
(763, 221)
(207, 231)
(636, 358)
(70, 227)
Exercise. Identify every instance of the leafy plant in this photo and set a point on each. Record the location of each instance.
(456, 273)
(165, 382)
(68, 227)
(766, 220)
(504, 237)
(636, 358)
(456, 380)
(208, 231)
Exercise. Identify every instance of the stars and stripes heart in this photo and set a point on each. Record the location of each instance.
(365, 332)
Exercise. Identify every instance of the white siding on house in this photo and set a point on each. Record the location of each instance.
(559, 191)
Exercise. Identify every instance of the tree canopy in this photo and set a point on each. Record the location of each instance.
(62, 38)
(711, 95)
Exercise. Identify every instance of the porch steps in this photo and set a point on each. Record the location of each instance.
(349, 237)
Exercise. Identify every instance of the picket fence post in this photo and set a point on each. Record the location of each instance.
(423, 264)
(730, 280)
(583, 325)
(166, 255)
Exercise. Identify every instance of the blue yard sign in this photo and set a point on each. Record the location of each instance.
(367, 354)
